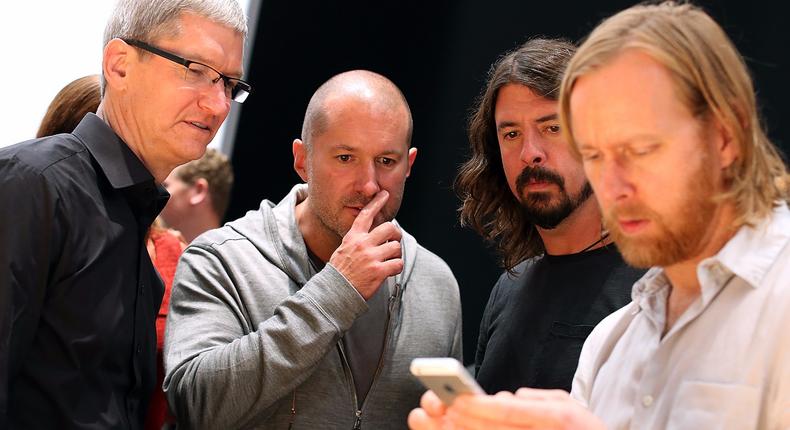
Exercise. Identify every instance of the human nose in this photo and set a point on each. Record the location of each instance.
(214, 98)
(367, 180)
(532, 151)
(611, 181)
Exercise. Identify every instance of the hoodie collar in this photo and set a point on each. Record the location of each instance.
(279, 223)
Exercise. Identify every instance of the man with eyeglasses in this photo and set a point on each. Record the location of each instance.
(78, 293)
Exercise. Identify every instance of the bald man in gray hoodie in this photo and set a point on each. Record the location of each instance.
(308, 312)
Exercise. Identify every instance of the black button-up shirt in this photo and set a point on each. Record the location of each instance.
(78, 293)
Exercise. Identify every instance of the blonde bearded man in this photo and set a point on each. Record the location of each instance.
(660, 106)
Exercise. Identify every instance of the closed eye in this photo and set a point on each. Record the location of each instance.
(644, 150)
(590, 156)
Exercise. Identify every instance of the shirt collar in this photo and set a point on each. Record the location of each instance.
(118, 163)
(650, 292)
(749, 254)
(753, 250)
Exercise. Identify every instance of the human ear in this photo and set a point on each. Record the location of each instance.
(199, 191)
(411, 157)
(115, 62)
(300, 159)
(726, 145)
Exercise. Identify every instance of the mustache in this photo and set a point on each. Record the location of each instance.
(362, 201)
(631, 210)
(538, 174)
(356, 201)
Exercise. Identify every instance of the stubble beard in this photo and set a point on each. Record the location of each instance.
(332, 219)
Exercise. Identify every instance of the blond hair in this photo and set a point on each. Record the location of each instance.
(712, 80)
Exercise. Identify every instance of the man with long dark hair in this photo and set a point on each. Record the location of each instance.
(525, 190)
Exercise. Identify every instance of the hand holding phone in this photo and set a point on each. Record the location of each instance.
(447, 377)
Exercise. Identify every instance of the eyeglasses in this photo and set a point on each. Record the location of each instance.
(199, 74)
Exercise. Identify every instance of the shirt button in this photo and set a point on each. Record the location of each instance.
(142, 289)
(647, 401)
(139, 348)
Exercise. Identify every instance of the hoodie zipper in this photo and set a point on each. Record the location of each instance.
(352, 386)
(347, 368)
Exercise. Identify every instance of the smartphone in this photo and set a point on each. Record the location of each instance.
(447, 377)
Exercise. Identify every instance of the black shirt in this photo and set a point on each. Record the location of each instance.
(535, 324)
(363, 343)
(78, 293)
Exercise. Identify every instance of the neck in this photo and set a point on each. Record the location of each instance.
(576, 232)
(318, 238)
(198, 223)
(682, 275)
(121, 123)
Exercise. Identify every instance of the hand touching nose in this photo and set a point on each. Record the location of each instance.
(367, 257)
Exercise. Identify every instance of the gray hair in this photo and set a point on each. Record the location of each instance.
(147, 20)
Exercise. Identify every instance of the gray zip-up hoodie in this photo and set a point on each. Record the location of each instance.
(253, 333)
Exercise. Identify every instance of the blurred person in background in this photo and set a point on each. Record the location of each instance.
(199, 194)
(70, 105)
(164, 247)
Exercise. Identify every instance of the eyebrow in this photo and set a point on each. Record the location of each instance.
(549, 117)
(197, 58)
(342, 147)
(544, 118)
(632, 140)
(506, 124)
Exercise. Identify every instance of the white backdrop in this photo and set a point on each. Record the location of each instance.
(45, 44)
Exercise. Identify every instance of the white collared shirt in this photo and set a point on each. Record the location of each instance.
(725, 363)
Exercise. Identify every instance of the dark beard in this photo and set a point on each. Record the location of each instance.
(538, 208)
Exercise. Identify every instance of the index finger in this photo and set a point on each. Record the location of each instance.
(419, 420)
(364, 219)
(504, 409)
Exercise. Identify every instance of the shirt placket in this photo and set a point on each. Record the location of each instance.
(144, 298)
(648, 388)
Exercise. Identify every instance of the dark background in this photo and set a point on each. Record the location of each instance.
(438, 53)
